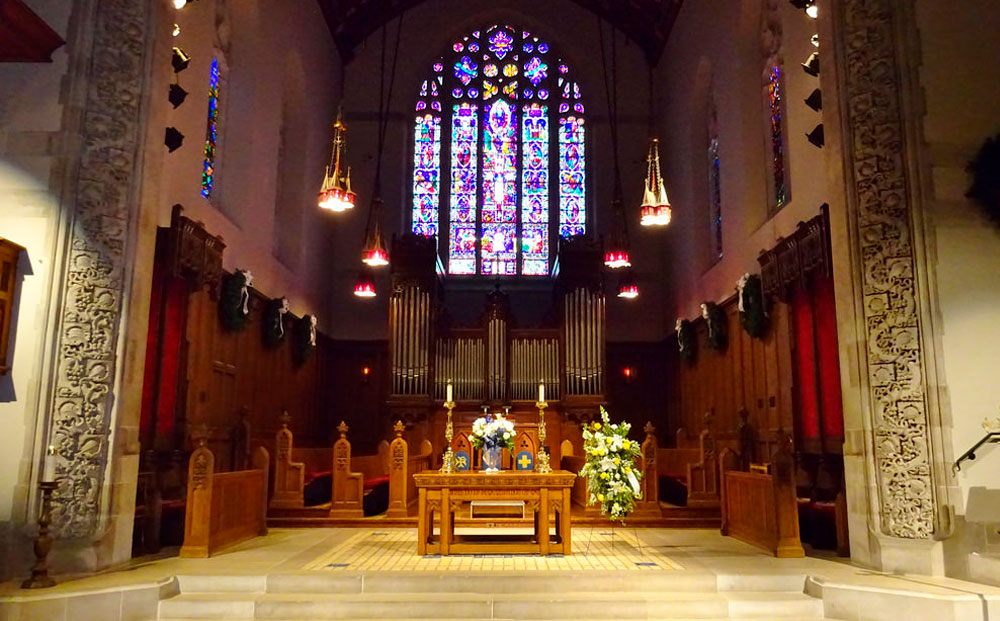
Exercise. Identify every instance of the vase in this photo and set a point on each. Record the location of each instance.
(492, 459)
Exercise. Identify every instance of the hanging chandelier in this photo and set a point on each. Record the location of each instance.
(655, 204)
(627, 288)
(336, 194)
(365, 285)
(616, 254)
(374, 253)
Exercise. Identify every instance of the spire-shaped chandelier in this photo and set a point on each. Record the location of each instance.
(374, 253)
(336, 194)
(655, 204)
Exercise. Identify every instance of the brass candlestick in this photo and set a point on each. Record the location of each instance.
(542, 461)
(43, 541)
(448, 461)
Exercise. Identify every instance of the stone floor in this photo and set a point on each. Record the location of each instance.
(847, 592)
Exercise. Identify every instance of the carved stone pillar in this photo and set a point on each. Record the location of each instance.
(100, 204)
(893, 440)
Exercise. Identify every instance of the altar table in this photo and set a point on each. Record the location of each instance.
(543, 495)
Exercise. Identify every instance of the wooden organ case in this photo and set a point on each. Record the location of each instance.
(496, 364)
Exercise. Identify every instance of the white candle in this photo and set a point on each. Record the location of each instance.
(541, 392)
(49, 472)
(449, 392)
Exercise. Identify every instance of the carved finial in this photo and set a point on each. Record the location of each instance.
(200, 434)
(708, 419)
(649, 428)
(285, 419)
(342, 428)
(399, 427)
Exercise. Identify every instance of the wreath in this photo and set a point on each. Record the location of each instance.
(304, 338)
(752, 305)
(234, 300)
(985, 170)
(273, 325)
(715, 319)
(686, 343)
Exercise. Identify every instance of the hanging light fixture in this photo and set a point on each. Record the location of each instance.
(655, 204)
(616, 253)
(374, 253)
(364, 287)
(626, 286)
(336, 194)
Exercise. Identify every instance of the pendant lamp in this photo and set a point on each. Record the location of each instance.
(627, 288)
(365, 285)
(655, 204)
(336, 194)
(616, 253)
(374, 253)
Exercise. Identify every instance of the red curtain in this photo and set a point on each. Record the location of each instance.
(167, 318)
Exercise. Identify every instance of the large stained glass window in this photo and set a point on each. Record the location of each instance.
(511, 97)
(775, 106)
(211, 132)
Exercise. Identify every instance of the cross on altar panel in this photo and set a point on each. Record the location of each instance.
(543, 495)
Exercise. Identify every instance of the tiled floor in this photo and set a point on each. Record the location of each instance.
(594, 549)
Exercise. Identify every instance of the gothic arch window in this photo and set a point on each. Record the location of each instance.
(779, 192)
(498, 118)
(714, 182)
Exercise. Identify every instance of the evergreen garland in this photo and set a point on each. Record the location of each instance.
(234, 300)
(715, 319)
(985, 170)
(273, 324)
(753, 305)
(686, 343)
(304, 338)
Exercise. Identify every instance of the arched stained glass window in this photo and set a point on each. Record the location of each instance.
(510, 106)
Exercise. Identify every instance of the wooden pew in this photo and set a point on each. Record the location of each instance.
(289, 476)
(348, 487)
(703, 475)
(223, 508)
(761, 509)
(402, 467)
(649, 505)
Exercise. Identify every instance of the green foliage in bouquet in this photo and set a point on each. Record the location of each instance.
(612, 478)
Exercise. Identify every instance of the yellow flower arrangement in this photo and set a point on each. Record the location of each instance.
(611, 480)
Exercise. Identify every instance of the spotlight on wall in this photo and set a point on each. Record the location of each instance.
(815, 137)
(814, 40)
(812, 10)
(180, 4)
(176, 31)
(811, 66)
(809, 6)
(173, 139)
(177, 95)
(815, 100)
(180, 60)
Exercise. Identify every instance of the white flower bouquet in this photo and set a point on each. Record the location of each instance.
(612, 479)
(492, 431)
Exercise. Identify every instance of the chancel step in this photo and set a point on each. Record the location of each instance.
(521, 596)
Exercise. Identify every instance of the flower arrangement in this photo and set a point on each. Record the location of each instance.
(492, 431)
(611, 477)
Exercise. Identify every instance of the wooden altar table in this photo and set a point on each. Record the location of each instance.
(543, 495)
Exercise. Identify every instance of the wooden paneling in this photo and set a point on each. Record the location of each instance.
(749, 373)
(232, 372)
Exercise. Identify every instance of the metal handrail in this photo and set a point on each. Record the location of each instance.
(993, 437)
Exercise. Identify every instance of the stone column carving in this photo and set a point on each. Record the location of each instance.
(878, 190)
(100, 211)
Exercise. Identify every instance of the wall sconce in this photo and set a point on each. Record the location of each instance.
(816, 136)
(815, 100)
(811, 66)
(177, 95)
(180, 60)
(173, 139)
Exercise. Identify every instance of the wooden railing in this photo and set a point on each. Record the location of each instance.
(224, 508)
(760, 508)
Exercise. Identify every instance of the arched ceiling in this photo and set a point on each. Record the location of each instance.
(647, 22)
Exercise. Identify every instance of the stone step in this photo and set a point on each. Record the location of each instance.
(520, 606)
(489, 582)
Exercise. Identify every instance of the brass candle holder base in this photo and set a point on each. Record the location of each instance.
(40, 578)
(542, 460)
(448, 459)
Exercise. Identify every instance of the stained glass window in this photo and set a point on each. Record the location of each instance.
(715, 197)
(498, 130)
(211, 132)
(774, 96)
